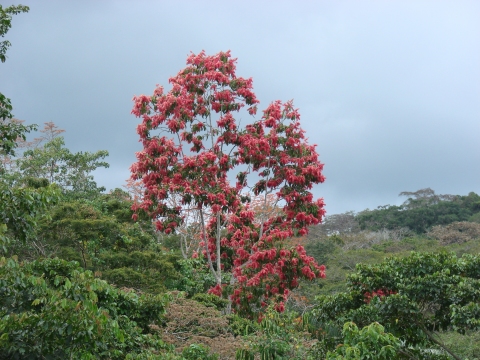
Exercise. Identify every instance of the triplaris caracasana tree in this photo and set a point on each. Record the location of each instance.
(192, 143)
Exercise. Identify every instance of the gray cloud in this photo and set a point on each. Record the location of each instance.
(389, 91)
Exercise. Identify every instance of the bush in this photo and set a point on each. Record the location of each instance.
(457, 232)
(210, 300)
(198, 352)
(412, 297)
(371, 342)
(54, 309)
(280, 336)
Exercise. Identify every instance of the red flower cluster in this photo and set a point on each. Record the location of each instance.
(191, 145)
(381, 293)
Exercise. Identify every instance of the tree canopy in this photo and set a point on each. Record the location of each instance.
(199, 145)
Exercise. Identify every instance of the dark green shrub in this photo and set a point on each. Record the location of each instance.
(54, 309)
(198, 352)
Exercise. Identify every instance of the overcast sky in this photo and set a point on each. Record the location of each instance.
(388, 90)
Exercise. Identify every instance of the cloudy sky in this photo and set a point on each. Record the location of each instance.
(388, 90)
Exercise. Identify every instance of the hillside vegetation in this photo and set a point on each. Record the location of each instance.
(81, 279)
(83, 276)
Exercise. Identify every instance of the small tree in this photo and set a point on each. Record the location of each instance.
(47, 157)
(198, 147)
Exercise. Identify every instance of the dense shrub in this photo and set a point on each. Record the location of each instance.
(54, 309)
(412, 297)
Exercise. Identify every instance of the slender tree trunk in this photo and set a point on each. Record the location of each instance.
(439, 343)
(216, 274)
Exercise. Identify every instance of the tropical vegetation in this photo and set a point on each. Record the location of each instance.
(181, 264)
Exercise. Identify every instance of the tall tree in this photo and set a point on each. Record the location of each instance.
(9, 131)
(192, 143)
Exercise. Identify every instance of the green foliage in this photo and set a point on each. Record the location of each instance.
(198, 352)
(341, 259)
(21, 207)
(467, 346)
(101, 235)
(241, 326)
(210, 300)
(153, 277)
(339, 263)
(56, 310)
(475, 217)
(280, 336)
(83, 228)
(118, 204)
(195, 276)
(71, 171)
(371, 342)
(412, 297)
(420, 216)
(322, 250)
(125, 277)
(4, 239)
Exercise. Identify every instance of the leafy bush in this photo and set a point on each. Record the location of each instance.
(280, 336)
(55, 309)
(198, 352)
(371, 342)
(195, 276)
(412, 297)
(146, 271)
(241, 326)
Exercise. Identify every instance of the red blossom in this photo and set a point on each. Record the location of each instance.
(200, 144)
(380, 293)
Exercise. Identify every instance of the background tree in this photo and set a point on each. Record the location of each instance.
(420, 212)
(424, 197)
(47, 157)
(200, 144)
(9, 131)
(339, 224)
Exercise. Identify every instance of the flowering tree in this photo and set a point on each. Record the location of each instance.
(192, 144)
